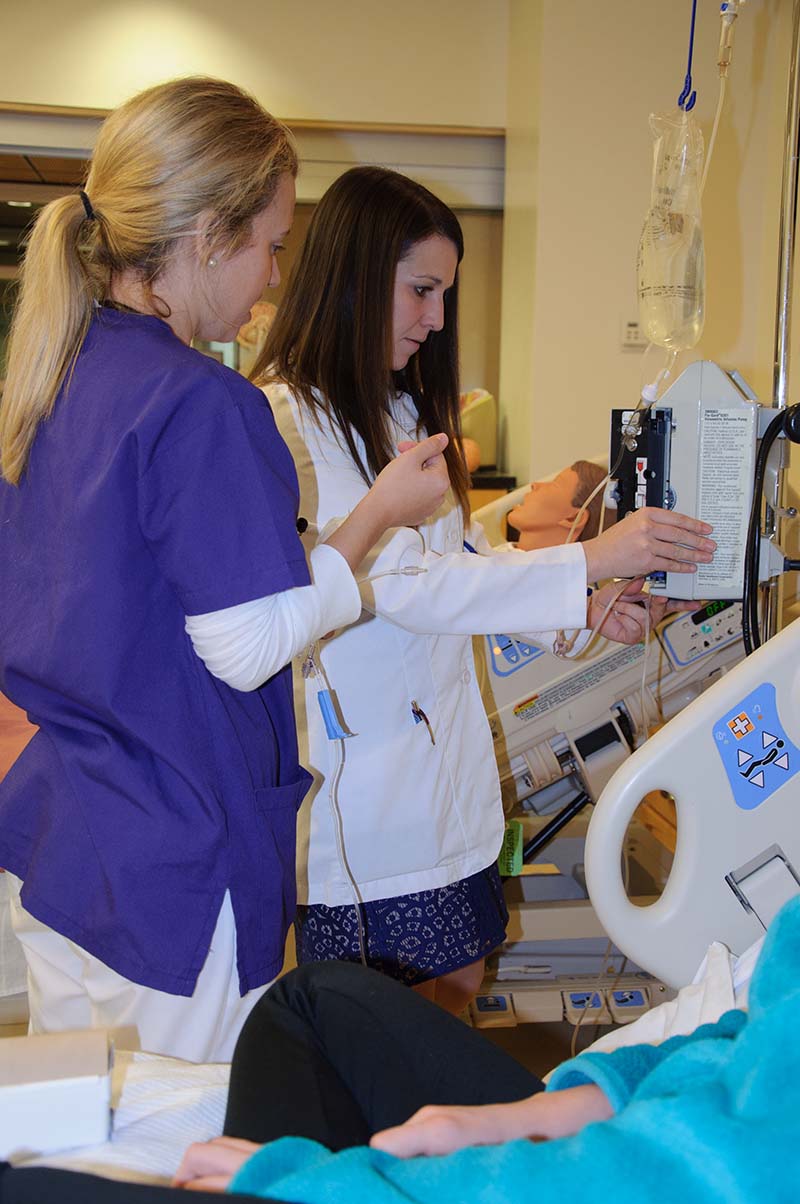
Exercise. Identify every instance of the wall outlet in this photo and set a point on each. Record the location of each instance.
(633, 337)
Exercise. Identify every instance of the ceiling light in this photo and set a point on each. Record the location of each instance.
(20, 204)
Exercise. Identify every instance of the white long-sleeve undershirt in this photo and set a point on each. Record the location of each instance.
(245, 645)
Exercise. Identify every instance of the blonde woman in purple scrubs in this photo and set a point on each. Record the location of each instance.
(146, 500)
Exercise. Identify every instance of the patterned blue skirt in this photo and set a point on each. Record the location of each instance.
(411, 937)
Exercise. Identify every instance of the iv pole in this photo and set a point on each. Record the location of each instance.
(780, 381)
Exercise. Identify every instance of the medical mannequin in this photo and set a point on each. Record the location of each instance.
(336, 1058)
(399, 836)
(148, 828)
(708, 1116)
(252, 335)
(546, 515)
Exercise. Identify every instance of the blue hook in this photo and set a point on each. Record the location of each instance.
(687, 97)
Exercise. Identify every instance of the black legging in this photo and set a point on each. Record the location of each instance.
(336, 1052)
(333, 1052)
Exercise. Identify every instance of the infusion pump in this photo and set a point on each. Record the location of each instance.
(695, 452)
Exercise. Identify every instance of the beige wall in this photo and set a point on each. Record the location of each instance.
(420, 63)
(520, 232)
(581, 85)
(573, 80)
(423, 61)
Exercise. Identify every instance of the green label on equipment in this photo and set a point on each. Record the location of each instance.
(510, 860)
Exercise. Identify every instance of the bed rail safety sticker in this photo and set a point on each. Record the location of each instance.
(756, 751)
(569, 687)
(507, 654)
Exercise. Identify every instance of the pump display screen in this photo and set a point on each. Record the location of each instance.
(708, 612)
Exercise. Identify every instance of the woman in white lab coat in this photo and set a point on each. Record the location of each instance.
(399, 835)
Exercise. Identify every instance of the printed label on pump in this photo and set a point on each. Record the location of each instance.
(724, 488)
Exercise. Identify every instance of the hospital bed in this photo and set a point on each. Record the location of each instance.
(734, 863)
(162, 1105)
(728, 755)
(561, 728)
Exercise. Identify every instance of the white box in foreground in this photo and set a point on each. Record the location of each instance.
(55, 1092)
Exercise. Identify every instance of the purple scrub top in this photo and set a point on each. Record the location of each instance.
(159, 488)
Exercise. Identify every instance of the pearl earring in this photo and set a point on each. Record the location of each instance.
(212, 263)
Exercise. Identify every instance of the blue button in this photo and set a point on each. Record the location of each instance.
(491, 1003)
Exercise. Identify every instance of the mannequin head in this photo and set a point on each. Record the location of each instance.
(546, 513)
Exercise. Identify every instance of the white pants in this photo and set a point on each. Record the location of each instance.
(70, 989)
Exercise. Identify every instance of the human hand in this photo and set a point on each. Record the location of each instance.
(210, 1165)
(647, 541)
(627, 621)
(440, 1129)
(408, 489)
(414, 484)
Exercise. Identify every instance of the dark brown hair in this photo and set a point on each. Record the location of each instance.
(331, 341)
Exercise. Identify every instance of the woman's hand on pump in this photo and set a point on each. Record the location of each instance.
(443, 1129)
(631, 612)
(408, 489)
(210, 1165)
(649, 541)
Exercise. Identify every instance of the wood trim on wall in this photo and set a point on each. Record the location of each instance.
(11, 106)
(467, 172)
(297, 123)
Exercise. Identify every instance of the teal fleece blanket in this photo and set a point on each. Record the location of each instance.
(714, 1116)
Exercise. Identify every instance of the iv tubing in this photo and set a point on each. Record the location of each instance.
(722, 82)
(650, 395)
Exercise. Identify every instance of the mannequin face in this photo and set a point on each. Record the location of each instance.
(544, 516)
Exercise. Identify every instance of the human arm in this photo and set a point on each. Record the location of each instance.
(589, 1088)
(422, 580)
(246, 644)
(647, 541)
(441, 1130)
(619, 611)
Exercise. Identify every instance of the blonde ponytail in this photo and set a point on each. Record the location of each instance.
(189, 152)
(50, 321)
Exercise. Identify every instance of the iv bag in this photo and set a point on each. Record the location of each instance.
(671, 261)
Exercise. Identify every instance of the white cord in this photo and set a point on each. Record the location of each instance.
(643, 686)
(312, 667)
(649, 394)
(563, 646)
(603, 971)
(338, 827)
(712, 140)
(411, 571)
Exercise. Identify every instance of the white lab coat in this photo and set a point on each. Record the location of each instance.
(415, 814)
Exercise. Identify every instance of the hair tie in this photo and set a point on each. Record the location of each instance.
(87, 205)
